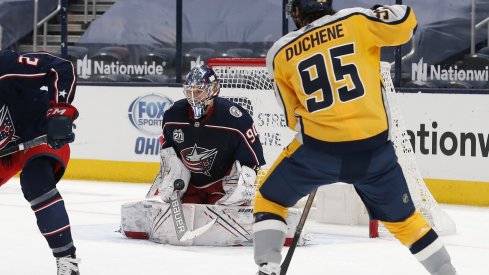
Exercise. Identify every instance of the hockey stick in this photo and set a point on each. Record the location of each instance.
(23, 146)
(297, 233)
(181, 229)
(154, 186)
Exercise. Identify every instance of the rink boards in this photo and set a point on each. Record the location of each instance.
(118, 132)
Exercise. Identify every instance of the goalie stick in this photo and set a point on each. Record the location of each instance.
(297, 233)
(24, 146)
(152, 190)
(181, 229)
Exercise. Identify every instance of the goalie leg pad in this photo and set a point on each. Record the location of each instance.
(151, 219)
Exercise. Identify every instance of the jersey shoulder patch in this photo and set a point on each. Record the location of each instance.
(232, 114)
(234, 111)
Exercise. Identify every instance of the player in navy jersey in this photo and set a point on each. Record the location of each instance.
(36, 91)
(211, 143)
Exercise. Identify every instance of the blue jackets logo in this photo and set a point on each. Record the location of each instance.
(7, 129)
(146, 113)
(198, 159)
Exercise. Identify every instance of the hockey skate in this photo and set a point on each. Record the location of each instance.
(68, 265)
(269, 269)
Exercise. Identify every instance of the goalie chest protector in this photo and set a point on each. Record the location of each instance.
(209, 146)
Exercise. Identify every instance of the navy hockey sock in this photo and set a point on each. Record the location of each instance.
(39, 188)
(53, 222)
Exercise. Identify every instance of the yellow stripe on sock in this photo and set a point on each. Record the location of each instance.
(261, 204)
(409, 230)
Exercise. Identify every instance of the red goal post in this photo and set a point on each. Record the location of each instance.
(246, 81)
(237, 62)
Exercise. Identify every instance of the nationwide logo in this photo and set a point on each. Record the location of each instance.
(87, 67)
(422, 72)
(146, 113)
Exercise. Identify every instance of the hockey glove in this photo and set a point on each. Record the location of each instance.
(172, 168)
(60, 119)
(239, 186)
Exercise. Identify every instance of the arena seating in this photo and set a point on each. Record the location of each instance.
(160, 55)
(152, 78)
(111, 78)
(112, 54)
(238, 52)
(475, 61)
(484, 50)
(419, 84)
(16, 18)
(76, 53)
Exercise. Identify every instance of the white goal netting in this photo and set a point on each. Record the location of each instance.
(246, 82)
(423, 200)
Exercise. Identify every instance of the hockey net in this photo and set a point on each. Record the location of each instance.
(246, 82)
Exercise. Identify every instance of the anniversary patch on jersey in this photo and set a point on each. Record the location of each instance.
(235, 111)
(7, 129)
(198, 159)
(178, 135)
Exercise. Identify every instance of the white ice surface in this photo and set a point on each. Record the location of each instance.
(94, 210)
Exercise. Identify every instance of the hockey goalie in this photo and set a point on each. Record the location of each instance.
(210, 154)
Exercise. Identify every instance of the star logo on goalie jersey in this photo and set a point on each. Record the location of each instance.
(198, 159)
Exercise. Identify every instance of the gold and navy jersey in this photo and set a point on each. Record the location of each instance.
(327, 75)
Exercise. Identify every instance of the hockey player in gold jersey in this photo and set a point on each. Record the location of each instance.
(327, 79)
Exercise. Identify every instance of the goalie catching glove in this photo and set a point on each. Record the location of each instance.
(171, 169)
(60, 119)
(239, 186)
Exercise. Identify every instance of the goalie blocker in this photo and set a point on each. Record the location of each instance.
(151, 219)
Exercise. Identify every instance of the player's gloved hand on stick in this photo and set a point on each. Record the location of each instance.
(60, 119)
(172, 169)
(239, 186)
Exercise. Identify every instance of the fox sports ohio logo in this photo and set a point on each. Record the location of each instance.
(146, 113)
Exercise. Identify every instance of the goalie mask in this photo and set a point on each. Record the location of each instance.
(201, 86)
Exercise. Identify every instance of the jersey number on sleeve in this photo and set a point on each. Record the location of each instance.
(252, 133)
(28, 60)
(320, 81)
(382, 13)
